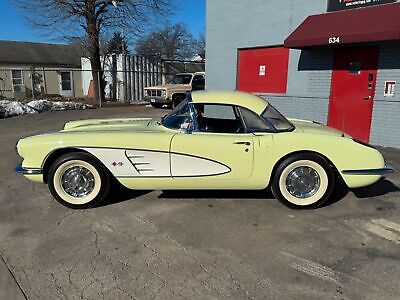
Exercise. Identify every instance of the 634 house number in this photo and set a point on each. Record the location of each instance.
(334, 40)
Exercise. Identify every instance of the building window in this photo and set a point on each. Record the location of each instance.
(263, 70)
(17, 80)
(355, 68)
(66, 84)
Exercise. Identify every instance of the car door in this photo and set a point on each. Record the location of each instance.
(219, 147)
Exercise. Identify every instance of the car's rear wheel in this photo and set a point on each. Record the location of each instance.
(78, 181)
(303, 181)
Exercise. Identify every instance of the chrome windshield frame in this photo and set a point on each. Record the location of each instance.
(192, 111)
(192, 115)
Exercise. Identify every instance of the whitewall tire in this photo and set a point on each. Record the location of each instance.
(303, 181)
(77, 180)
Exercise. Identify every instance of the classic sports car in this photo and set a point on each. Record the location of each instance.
(211, 140)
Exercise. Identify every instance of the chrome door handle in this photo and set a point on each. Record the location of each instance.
(367, 97)
(243, 143)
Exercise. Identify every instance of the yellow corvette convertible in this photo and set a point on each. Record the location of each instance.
(211, 140)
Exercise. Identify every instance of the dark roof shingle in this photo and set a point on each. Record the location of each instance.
(26, 53)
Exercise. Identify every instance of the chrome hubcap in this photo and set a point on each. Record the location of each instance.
(77, 182)
(303, 182)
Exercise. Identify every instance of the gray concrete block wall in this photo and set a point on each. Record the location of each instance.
(385, 126)
(385, 129)
(310, 73)
(307, 108)
(309, 86)
(388, 70)
(235, 24)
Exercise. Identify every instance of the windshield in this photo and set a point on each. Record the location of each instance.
(180, 79)
(179, 118)
(274, 117)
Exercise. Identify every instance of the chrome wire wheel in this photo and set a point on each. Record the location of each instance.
(77, 182)
(303, 182)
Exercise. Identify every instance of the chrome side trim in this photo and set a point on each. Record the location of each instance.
(26, 171)
(382, 171)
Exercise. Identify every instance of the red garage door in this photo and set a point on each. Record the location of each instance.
(263, 70)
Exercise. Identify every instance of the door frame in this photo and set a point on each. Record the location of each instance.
(71, 93)
(332, 90)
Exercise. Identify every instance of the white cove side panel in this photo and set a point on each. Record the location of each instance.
(189, 166)
(115, 160)
(141, 163)
(150, 163)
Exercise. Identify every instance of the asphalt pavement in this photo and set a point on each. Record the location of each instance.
(191, 245)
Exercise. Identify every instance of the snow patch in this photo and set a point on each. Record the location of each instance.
(15, 108)
(46, 105)
(9, 108)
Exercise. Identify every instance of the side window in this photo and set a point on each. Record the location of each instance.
(219, 118)
(253, 121)
(198, 83)
(225, 112)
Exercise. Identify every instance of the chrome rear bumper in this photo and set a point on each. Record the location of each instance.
(27, 171)
(382, 171)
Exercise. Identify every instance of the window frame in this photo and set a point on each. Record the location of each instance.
(22, 80)
(71, 75)
(272, 127)
(235, 111)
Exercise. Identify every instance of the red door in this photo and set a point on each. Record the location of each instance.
(353, 90)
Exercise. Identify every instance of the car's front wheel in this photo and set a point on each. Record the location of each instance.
(303, 181)
(78, 181)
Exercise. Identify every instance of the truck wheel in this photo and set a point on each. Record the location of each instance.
(156, 105)
(78, 181)
(303, 181)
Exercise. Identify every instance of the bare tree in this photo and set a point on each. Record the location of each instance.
(200, 45)
(117, 44)
(173, 41)
(91, 18)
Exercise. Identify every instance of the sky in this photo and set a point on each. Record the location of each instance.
(14, 28)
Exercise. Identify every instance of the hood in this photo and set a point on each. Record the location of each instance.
(142, 124)
(314, 127)
(166, 86)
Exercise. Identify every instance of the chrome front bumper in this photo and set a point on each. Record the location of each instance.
(382, 171)
(157, 100)
(28, 171)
